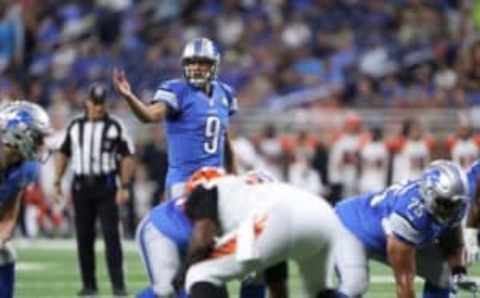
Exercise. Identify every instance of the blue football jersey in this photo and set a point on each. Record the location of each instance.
(171, 221)
(473, 174)
(16, 178)
(398, 210)
(195, 127)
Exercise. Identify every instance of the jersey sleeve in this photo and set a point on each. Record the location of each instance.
(473, 175)
(168, 92)
(231, 97)
(409, 220)
(22, 177)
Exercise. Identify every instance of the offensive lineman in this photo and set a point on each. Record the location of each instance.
(23, 126)
(400, 225)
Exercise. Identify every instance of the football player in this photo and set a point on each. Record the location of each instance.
(23, 126)
(242, 225)
(400, 225)
(163, 237)
(196, 111)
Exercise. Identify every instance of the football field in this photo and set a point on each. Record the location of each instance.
(48, 268)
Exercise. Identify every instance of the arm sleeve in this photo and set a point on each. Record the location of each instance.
(409, 220)
(27, 174)
(473, 175)
(168, 94)
(232, 99)
(404, 229)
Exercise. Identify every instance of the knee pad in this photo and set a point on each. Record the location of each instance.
(432, 291)
(198, 273)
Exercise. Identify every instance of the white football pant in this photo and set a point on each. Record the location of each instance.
(160, 257)
(353, 270)
(301, 229)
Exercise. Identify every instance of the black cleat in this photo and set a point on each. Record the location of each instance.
(120, 293)
(86, 292)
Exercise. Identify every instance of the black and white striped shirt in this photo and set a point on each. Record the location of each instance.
(95, 147)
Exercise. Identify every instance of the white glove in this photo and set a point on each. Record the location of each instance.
(472, 251)
(463, 282)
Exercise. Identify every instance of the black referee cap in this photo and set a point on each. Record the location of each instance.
(97, 93)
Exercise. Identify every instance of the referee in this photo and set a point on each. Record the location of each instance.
(101, 154)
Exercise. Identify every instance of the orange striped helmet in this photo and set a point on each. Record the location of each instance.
(202, 176)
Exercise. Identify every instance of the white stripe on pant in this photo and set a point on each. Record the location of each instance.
(160, 257)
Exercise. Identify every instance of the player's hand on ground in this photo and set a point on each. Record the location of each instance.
(121, 83)
(472, 250)
(178, 281)
(465, 283)
(461, 281)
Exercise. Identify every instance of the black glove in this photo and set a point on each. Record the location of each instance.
(178, 281)
(462, 282)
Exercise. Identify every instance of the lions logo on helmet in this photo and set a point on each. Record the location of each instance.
(23, 125)
(444, 188)
(200, 50)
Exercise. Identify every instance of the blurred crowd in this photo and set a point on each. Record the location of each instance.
(395, 53)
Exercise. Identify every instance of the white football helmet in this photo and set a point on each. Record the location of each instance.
(24, 125)
(444, 188)
(200, 49)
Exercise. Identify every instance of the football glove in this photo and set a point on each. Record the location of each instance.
(472, 251)
(463, 282)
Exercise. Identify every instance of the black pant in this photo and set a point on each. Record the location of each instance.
(91, 200)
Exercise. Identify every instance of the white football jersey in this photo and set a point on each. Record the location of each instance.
(411, 161)
(465, 152)
(343, 162)
(374, 159)
(242, 197)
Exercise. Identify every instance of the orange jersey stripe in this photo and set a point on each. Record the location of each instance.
(230, 246)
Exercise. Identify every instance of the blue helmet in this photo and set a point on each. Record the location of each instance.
(23, 125)
(445, 190)
(200, 49)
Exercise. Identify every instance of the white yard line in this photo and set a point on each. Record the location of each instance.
(65, 244)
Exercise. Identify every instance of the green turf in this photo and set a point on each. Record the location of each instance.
(49, 269)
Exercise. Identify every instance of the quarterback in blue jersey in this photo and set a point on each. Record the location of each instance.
(196, 110)
(23, 126)
(400, 226)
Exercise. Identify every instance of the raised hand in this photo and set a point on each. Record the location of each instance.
(120, 82)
